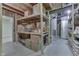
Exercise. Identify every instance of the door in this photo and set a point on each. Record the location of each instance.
(7, 27)
(58, 28)
(64, 27)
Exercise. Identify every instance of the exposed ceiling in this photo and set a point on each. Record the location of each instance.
(56, 5)
(19, 8)
(22, 7)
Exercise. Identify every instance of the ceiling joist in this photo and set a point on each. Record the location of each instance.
(9, 8)
(28, 5)
(48, 6)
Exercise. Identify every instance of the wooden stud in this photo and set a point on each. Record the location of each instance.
(49, 37)
(0, 29)
(16, 29)
(14, 6)
(47, 6)
(41, 19)
(72, 21)
(11, 9)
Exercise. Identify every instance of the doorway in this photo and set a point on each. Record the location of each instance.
(59, 28)
(7, 33)
(7, 26)
(64, 27)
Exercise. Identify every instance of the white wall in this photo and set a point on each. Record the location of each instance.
(53, 24)
(64, 27)
(7, 27)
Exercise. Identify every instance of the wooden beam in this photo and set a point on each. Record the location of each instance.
(1, 29)
(47, 6)
(9, 8)
(13, 5)
(50, 4)
(28, 5)
(33, 4)
(41, 19)
(21, 6)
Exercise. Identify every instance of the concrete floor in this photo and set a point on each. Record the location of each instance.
(59, 47)
(16, 49)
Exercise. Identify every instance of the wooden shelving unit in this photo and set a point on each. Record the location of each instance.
(34, 38)
(30, 33)
(74, 44)
(33, 17)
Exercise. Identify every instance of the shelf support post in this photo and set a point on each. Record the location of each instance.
(1, 29)
(49, 34)
(73, 20)
(41, 19)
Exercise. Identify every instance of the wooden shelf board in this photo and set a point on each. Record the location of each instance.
(37, 16)
(75, 48)
(75, 53)
(75, 42)
(30, 33)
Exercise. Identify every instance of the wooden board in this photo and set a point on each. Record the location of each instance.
(35, 44)
(31, 18)
(30, 33)
(0, 29)
(9, 8)
(47, 6)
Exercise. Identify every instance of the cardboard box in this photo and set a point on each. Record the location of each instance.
(36, 9)
(28, 12)
(28, 43)
(35, 42)
(20, 28)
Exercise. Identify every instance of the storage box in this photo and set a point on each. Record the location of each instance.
(20, 28)
(24, 36)
(39, 25)
(35, 36)
(28, 12)
(35, 40)
(36, 9)
(28, 43)
(56, 6)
